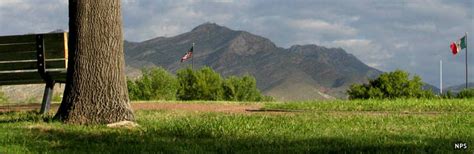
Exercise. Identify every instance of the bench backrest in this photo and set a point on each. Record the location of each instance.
(19, 57)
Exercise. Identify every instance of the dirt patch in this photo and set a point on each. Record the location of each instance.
(24, 107)
(228, 108)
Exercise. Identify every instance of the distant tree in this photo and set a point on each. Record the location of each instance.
(241, 89)
(230, 88)
(155, 84)
(390, 85)
(204, 84)
(134, 91)
(466, 93)
(209, 84)
(449, 94)
(187, 84)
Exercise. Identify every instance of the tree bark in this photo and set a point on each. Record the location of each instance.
(96, 90)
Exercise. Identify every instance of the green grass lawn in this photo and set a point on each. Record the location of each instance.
(328, 126)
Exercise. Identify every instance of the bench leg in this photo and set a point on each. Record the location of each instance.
(48, 93)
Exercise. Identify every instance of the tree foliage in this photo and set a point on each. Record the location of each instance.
(241, 89)
(155, 84)
(390, 85)
(3, 98)
(466, 93)
(202, 84)
(448, 95)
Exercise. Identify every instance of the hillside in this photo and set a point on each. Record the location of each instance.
(300, 72)
(458, 88)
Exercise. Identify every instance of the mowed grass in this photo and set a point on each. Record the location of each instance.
(397, 105)
(328, 126)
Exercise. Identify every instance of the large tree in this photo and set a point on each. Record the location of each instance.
(96, 91)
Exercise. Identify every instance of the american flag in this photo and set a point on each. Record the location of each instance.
(188, 54)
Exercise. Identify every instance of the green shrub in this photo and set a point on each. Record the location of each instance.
(466, 93)
(204, 84)
(134, 92)
(3, 98)
(448, 95)
(241, 89)
(57, 97)
(187, 88)
(155, 84)
(390, 85)
(265, 98)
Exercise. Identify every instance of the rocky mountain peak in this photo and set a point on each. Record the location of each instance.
(248, 44)
(209, 27)
(312, 49)
(309, 71)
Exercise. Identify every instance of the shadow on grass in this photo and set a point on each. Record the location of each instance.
(24, 116)
(125, 141)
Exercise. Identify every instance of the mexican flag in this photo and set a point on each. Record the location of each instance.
(458, 45)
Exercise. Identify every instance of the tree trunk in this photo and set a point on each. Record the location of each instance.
(96, 89)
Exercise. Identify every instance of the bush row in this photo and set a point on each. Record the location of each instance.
(397, 84)
(203, 84)
(390, 85)
(466, 93)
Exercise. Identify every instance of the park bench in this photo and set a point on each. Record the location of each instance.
(33, 59)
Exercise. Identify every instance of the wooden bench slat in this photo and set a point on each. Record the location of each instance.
(55, 47)
(51, 42)
(51, 54)
(59, 48)
(31, 65)
(31, 55)
(18, 63)
(19, 82)
(31, 38)
(29, 77)
(17, 39)
(12, 48)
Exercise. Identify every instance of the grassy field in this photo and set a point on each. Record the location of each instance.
(328, 126)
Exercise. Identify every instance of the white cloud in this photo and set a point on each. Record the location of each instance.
(369, 52)
(32, 16)
(385, 34)
(6, 3)
(437, 8)
(323, 27)
(400, 45)
(148, 19)
(420, 27)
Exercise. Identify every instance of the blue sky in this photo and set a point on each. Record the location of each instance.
(412, 35)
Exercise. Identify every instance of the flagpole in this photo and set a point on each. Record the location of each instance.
(466, 64)
(192, 58)
(440, 77)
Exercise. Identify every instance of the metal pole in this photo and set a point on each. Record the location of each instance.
(467, 82)
(48, 93)
(440, 76)
(192, 58)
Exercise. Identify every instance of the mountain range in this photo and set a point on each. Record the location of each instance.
(300, 72)
(458, 88)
